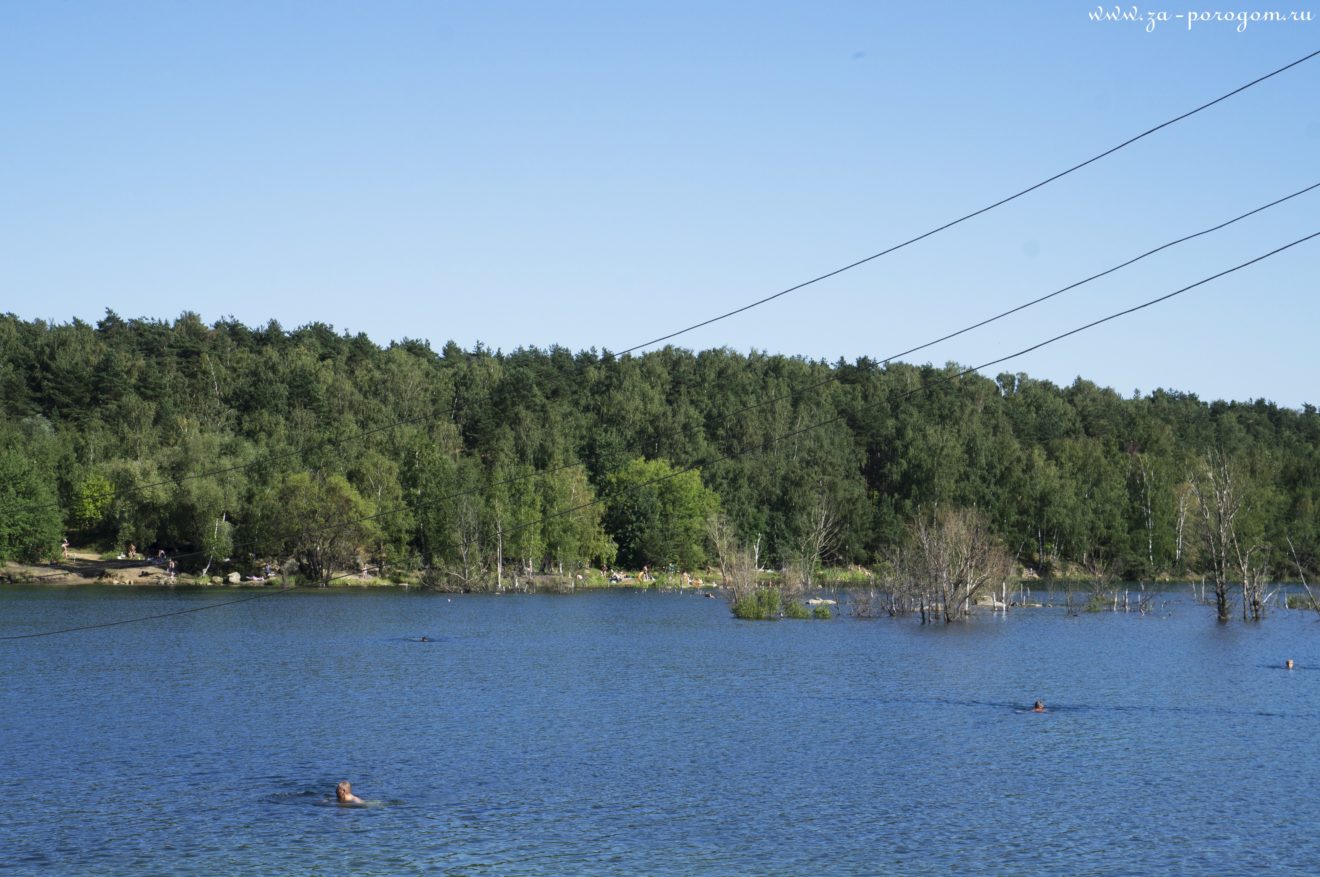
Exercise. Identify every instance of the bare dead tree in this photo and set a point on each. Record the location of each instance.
(737, 561)
(1254, 564)
(950, 557)
(1102, 575)
(1219, 501)
(816, 542)
(897, 594)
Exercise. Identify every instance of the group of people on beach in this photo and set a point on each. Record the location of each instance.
(618, 577)
(170, 565)
(161, 559)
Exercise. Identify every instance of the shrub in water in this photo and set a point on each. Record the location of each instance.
(794, 609)
(760, 605)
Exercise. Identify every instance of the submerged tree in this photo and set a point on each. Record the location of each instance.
(1233, 498)
(1218, 488)
(737, 560)
(950, 556)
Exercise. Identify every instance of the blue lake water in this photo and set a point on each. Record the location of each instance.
(622, 733)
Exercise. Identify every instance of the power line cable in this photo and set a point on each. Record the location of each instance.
(773, 441)
(987, 321)
(122, 621)
(974, 213)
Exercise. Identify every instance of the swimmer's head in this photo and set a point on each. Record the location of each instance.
(1288, 664)
(343, 791)
(1039, 707)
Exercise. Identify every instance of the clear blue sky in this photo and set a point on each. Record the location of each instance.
(596, 174)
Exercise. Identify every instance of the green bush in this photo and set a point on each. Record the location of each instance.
(763, 604)
(822, 611)
(794, 609)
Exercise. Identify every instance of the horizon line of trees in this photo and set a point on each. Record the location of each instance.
(334, 451)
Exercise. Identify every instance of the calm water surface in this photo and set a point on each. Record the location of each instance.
(625, 733)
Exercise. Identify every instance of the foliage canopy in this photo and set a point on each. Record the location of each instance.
(166, 434)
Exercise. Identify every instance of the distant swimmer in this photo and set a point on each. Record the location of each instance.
(424, 639)
(1039, 707)
(1288, 664)
(344, 794)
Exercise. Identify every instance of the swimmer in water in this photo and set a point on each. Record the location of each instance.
(1039, 707)
(344, 794)
(1288, 664)
(425, 639)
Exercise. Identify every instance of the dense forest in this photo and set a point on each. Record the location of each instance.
(328, 450)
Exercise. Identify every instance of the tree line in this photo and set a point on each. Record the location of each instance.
(329, 451)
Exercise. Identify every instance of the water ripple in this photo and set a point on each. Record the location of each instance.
(625, 733)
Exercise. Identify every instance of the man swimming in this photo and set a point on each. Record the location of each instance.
(1039, 707)
(344, 794)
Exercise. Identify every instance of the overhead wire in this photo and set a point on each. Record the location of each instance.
(123, 621)
(833, 377)
(974, 213)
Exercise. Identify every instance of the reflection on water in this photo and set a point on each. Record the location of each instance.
(641, 733)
